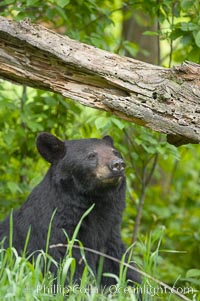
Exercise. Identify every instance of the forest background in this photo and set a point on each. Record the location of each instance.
(163, 193)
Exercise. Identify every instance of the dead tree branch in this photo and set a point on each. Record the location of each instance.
(165, 100)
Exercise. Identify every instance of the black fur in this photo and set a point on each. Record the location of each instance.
(82, 172)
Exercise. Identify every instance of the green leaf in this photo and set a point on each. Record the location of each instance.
(186, 4)
(138, 141)
(64, 103)
(120, 124)
(6, 2)
(194, 55)
(189, 26)
(193, 273)
(34, 126)
(32, 2)
(9, 137)
(101, 122)
(51, 101)
(63, 3)
(197, 39)
(13, 187)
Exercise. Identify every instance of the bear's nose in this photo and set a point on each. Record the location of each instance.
(117, 165)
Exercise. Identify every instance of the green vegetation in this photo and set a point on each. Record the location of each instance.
(164, 178)
(29, 277)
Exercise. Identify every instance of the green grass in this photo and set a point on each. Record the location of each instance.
(23, 280)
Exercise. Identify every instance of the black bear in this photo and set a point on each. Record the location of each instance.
(82, 172)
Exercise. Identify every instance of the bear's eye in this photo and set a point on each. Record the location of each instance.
(92, 155)
(116, 153)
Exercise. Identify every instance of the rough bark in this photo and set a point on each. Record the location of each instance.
(165, 100)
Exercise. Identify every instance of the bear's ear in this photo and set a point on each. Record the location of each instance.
(108, 140)
(50, 147)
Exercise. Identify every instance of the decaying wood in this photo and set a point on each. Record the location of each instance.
(165, 100)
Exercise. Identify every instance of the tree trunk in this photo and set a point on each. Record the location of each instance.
(165, 100)
(133, 29)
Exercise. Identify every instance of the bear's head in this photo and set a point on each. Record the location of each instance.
(87, 163)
